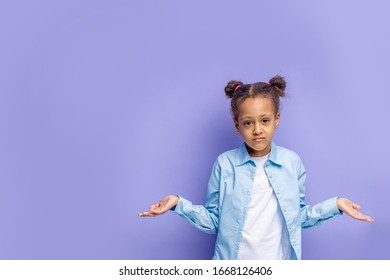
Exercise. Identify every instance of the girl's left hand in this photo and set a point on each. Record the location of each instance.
(351, 209)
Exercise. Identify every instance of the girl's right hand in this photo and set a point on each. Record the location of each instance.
(161, 207)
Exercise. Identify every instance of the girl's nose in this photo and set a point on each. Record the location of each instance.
(256, 129)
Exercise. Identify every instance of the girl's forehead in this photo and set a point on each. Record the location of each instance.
(256, 106)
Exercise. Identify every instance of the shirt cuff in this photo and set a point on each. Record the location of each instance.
(174, 207)
(181, 205)
(330, 207)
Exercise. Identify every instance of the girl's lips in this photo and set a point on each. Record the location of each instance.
(258, 139)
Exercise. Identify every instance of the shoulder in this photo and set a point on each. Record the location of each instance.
(230, 153)
(285, 155)
(286, 160)
(285, 152)
(229, 157)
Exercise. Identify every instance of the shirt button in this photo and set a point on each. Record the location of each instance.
(270, 175)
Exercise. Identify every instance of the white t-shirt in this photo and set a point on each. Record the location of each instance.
(265, 234)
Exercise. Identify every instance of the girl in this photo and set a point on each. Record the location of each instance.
(255, 198)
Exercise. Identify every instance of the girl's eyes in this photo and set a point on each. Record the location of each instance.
(264, 121)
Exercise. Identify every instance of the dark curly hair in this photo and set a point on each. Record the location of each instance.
(238, 92)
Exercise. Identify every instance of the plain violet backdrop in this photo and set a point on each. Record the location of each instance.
(108, 106)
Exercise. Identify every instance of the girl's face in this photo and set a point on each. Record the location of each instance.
(257, 122)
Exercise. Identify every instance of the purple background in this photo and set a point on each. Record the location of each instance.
(108, 106)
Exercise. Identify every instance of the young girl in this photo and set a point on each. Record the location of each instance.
(255, 198)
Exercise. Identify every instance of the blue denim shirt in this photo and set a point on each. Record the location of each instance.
(229, 192)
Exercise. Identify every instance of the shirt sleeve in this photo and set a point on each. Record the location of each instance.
(319, 213)
(205, 218)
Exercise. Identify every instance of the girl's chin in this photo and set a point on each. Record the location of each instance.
(258, 150)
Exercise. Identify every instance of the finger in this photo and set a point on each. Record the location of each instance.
(154, 206)
(351, 211)
(370, 219)
(159, 210)
(147, 214)
(143, 214)
(367, 218)
(361, 217)
(356, 206)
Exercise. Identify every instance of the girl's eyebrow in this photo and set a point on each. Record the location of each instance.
(248, 116)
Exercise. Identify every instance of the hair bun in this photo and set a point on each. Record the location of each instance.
(278, 82)
(231, 87)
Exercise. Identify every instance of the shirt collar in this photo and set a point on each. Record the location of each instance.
(244, 157)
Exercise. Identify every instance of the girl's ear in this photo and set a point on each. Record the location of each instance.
(277, 119)
(236, 126)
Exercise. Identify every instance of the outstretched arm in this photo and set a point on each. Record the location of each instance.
(205, 218)
(326, 210)
(351, 209)
(161, 207)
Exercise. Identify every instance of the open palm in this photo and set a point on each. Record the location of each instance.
(351, 208)
(161, 207)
